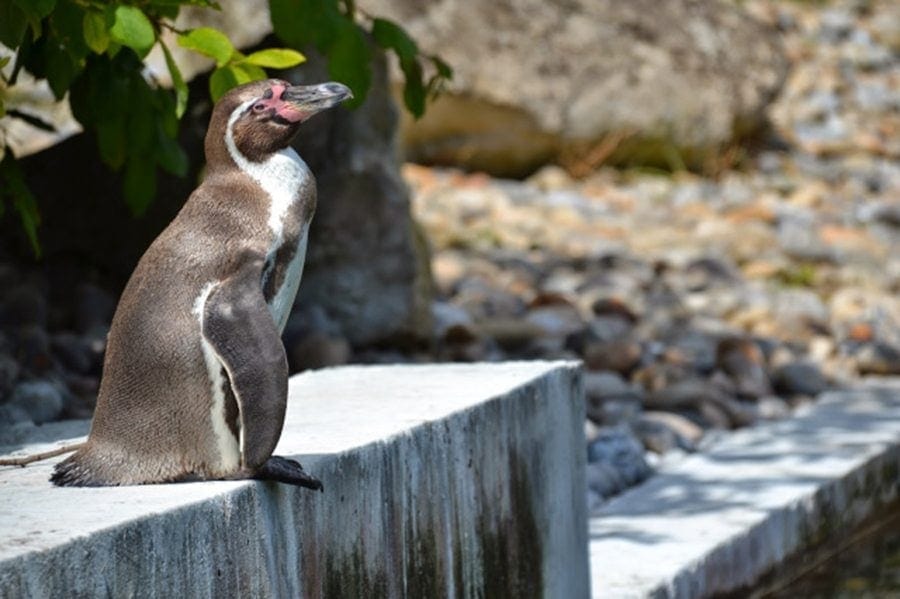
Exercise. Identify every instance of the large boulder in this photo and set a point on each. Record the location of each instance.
(637, 81)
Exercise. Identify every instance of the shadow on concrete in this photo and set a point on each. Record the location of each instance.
(802, 455)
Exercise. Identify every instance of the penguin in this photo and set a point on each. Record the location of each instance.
(195, 376)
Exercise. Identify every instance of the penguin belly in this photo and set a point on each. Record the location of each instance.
(284, 294)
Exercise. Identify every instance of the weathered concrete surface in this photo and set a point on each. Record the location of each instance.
(717, 521)
(455, 480)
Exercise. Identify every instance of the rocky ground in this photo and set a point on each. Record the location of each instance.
(698, 304)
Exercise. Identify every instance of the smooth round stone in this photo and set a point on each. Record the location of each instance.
(42, 401)
(11, 415)
(620, 450)
(878, 358)
(661, 432)
(800, 378)
(24, 305)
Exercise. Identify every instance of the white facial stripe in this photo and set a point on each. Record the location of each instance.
(282, 176)
(229, 449)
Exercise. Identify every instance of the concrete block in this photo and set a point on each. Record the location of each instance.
(716, 521)
(440, 481)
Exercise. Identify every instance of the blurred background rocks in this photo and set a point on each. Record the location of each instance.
(589, 81)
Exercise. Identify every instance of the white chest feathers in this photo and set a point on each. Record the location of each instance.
(285, 178)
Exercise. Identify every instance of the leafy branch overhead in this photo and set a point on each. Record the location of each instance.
(93, 50)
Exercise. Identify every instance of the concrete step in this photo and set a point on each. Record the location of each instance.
(718, 520)
(440, 481)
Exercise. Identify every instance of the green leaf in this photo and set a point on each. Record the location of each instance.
(66, 29)
(23, 201)
(232, 75)
(222, 80)
(181, 88)
(248, 72)
(12, 24)
(390, 36)
(349, 61)
(36, 9)
(132, 28)
(96, 31)
(60, 69)
(444, 70)
(111, 142)
(170, 155)
(166, 10)
(139, 117)
(301, 22)
(210, 42)
(275, 58)
(414, 93)
(4, 60)
(140, 184)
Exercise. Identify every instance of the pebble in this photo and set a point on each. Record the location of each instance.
(620, 355)
(33, 350)
(660, 432)
(610, 398)
(558, 320)
(772, 407)
(42, 401)
(800, 378)
(11, 415)
(93, 307)
(615, 461)
(742, 360)
(878, 359)
(23, 305)
(73, 351)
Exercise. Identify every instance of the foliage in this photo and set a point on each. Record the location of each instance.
(93, 50)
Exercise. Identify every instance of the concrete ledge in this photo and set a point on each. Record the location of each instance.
(455, 480)
(717, 521)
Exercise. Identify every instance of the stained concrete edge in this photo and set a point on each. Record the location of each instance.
(441, 480)
(716, 522)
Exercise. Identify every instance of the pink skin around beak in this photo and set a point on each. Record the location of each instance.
(296, 103)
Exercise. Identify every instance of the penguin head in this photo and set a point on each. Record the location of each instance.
(262, 117)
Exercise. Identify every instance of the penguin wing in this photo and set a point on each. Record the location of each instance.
(238, 325)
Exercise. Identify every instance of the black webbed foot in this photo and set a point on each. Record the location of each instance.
(287, 471)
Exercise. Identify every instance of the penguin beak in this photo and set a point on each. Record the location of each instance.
(303, 101)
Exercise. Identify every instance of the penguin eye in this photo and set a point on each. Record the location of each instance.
(259, 107)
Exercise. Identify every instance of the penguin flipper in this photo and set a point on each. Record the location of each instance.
(239, 327)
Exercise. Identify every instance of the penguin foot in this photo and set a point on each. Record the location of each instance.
(287, 471)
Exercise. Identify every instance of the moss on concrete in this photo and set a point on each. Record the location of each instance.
(512, 559)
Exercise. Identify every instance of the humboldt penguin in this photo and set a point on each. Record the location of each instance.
(195, 376)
